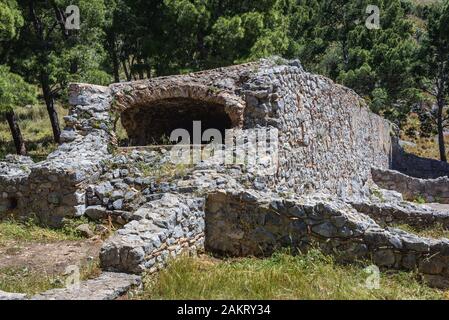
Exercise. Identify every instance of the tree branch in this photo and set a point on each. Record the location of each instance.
(60, 19)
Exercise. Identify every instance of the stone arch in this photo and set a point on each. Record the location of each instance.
(150, 112)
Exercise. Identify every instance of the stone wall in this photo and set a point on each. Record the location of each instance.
(162, 229)
(326, 141)
(328, 138)
(14, 173)
(418, 167)
(54, 189)
(395, 212)
(430, 190)
(242, 223)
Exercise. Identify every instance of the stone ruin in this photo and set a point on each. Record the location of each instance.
(334, 177)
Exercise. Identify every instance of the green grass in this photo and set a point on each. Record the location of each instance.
(25, 281)
(420, 200)
(283, 276)
(163, 172)
(36, 130)
(11, 230)
(30, 282)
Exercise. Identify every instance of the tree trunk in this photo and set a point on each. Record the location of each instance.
(141, 71)
(44, 77)
(116, 66)
(16, 133)
(112, 46)
(127, 73)
(440, 126)
(50, 103)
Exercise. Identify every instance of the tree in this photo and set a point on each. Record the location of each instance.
(433, 72)
(376, 63)
(172, 36)
(137, 38)
(14, 91)
(49, 54)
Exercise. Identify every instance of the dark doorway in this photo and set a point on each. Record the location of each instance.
(153, 124)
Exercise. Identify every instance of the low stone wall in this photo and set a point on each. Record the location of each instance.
(14, 172)
(431, 190)
(246, 223)
(418, 167)
(164, 228)
(397, 213)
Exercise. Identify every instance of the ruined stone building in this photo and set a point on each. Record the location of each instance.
(328, 179)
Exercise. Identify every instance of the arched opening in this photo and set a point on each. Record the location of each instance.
(153, 124)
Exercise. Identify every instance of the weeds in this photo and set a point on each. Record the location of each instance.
(283, 276)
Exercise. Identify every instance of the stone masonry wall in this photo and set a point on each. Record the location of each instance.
(430, 190)
(328, 138)
(327, 142)
(242, 223)
(54, 189)
(418, 167)
(162, 229)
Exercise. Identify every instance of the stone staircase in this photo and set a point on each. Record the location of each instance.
(108, 286)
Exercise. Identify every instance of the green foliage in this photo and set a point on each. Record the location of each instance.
(14, 91)
(10, 19)
(433, 71)
(64, 55)
(437, 231)
(22, 280)
(420, 200)
(164, 171)
(36, 130)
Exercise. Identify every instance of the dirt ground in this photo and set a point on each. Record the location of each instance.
(51, 258)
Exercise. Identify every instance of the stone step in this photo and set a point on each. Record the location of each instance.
(108, 286)
(11, 296)
(162, 229)
(414, 215)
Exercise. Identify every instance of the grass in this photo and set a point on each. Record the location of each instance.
(162, 172)
(32, 282)
(311, 276)
(36, 130)
(420, 200)
(436, 232)
(11, 230)
(25, 281)
(28, 281)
